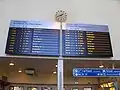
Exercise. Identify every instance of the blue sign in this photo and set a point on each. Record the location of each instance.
(95, 72)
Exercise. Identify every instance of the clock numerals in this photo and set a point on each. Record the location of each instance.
(61, 16)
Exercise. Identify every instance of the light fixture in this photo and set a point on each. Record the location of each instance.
(76, 82)
(30, 71)
(54, 72)
(102, 86)
(20, 70)
(101, 66)
(11, 64)
(34, 88)
(113, 66)
(56, 65)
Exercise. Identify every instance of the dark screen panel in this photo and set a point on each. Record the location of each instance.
(79, 40)
(31, 41)
(87, 40)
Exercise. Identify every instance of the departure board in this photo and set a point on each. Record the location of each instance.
(29, 39)
(41, 38)
(86, 40)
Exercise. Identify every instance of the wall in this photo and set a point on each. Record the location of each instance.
(107, 79)
(51, 79)
(47, 79)
(41, 79)
(84, 11)
(31, 81)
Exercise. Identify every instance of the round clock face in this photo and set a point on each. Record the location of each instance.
(61, 16)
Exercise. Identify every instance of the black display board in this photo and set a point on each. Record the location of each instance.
(29, 41)
(81, 40)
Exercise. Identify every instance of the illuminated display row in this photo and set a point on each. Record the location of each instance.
(36, 41)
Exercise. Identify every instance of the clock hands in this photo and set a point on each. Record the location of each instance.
(60, 15)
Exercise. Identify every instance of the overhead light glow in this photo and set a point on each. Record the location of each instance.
(56, 65)
(54, 72)
(101, 66)
(34, 88)
(19, 70)
(102, 86)
(76, 82)
(11, 64)
(113, 66)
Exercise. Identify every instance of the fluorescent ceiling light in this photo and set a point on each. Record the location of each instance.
(101, 66)
(54, 72)
(11, 64)
(20, 70)
(56, 65)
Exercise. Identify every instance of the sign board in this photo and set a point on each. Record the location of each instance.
(86, 40)
(38, 38)
(95, 72)
(32, 38)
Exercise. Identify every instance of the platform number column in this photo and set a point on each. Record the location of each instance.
(60, 16)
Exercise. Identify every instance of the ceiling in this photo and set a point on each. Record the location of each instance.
(47, 66)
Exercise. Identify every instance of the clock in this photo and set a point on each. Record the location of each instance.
(61, 16)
